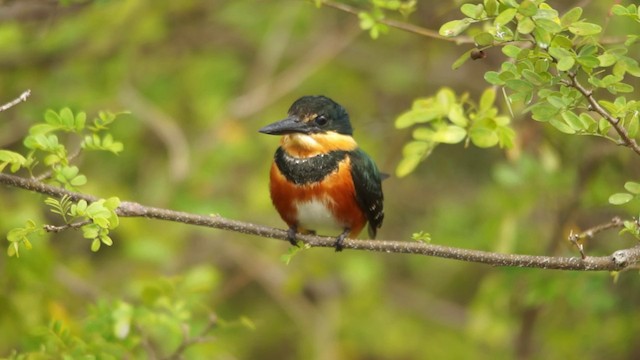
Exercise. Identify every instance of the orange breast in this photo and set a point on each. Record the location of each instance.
(336, 191)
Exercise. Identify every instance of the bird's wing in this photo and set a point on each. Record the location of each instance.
(367, 183)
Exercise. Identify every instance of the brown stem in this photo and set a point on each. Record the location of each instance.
(400, 25)
(615, 262)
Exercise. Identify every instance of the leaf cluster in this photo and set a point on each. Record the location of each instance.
(46, 145)
(546, 53)
(371, 20)
(166, 317)
(449, 119)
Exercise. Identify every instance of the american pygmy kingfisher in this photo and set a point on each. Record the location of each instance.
(320, 179)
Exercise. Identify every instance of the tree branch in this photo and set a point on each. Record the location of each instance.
(22, 98)
(619, 260)
(595, 106)
(401, 25)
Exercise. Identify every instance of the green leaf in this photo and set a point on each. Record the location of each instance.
(451, 134)
(418, 116)
(483, 39)
(487, 99)
(566, 63)
(493, 78)
(95, 245)
(292, 251)
(42, 129)
(549, 26)
(560, 52)
(571, 16)
(446, 98)
(506, 136)
(587, 119)
(511, 51)
(633, 125)
(620, 198)
(10, 157)
(52, 117)
(528, 8)
(105, 239)
(90, 231)
(632, 187)
(413, 153)
(472, 11)
(583, 28)
(604, 126)
(454, 27)
(407, 165)
(619, 10)
(421, 236)
(573, 120)
(620, 88)
(607, 59)
(462, 59)
(589, 61)
(491, 7)
(80, 121)
(78, 180)
(526, 26)
(562, 126)
(13, 250)
(505, 17)
(457, 116)
(556, 101)
(112, 203)
(533, 77)
(588, 50)
(519, 85)
(66, 118)
(483, 137)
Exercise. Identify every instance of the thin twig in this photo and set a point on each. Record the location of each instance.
(47, 174)
(616, 261)
(188, 340)
(401, 25)
(22, 98)
(575, 238)
(595, 106)
(74, 225)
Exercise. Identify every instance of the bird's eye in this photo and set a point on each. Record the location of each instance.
(321, 120)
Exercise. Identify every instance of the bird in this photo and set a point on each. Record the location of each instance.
(320, 179)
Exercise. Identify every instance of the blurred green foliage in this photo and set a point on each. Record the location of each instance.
(199, 78)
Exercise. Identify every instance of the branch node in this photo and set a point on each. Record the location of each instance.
(573, 238)
(620, 258)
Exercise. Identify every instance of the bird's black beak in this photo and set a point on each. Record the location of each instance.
(290, 125)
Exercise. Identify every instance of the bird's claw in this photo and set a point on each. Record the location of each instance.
(291, 236)
(339, 245)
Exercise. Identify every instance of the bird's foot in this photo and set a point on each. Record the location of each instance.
(340, 240)
(291, 236)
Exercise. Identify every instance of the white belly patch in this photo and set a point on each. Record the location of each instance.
(315, 215)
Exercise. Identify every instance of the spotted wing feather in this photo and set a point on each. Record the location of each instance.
(368, 185)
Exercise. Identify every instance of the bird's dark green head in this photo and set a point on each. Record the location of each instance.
(312, 115)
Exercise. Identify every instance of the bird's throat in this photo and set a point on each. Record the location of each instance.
(308, 145)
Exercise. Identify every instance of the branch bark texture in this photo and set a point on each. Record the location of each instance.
(617, 261)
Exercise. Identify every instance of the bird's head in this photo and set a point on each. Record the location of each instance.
(312, 115)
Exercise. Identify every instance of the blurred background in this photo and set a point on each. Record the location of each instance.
(199, 79)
